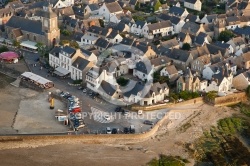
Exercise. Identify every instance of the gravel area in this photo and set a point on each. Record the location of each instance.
(35, 116)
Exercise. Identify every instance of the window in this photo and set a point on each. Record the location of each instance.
(28, 36)
(34, 38)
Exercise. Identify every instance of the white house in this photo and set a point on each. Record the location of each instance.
(108, 10)
(88, 39)
(221, 81)
(91, 9)
(79, 68)
(156, 93)
(209, 71)
(163, 28)
(61, 3)
(193, 4)
(237, 43)
(67, 56)
(171, 72)
(137, 27)
(178, 12)
(90, 56)
(207, 19)
(54, 57)
(177, 23)
(114, 37)
(143, 71)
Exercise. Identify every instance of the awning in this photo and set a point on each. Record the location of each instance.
(36, 78)
(61, 71)
(29, 44)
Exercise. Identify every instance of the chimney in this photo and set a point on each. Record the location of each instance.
(149, 47)
(137, 43)
(110, 30)
(77, 65)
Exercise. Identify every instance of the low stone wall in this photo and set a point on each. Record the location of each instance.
(230, 99)
(27, 84)
(167, 105)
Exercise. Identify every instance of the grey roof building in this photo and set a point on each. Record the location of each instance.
(80, 63)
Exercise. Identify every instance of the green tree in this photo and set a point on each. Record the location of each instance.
(42, 49)
(63, 42)
(3, 49)
(167, 161)
(16, 43)
(66, 32)
(141, 18)
(137, 6)
(74, 44)
(157, 5)
(101, 22)
(225, 35)
(186, 46)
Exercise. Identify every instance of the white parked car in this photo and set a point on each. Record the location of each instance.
(166, 101)
(180, 100)
(84, 90)
(108, 130)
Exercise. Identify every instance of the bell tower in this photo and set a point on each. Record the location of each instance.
(50, 26)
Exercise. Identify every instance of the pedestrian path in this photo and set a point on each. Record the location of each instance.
(99, 115)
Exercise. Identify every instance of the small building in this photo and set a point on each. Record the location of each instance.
(193, 4)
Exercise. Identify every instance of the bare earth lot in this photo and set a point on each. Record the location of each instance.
(27, 111)
(191, 121)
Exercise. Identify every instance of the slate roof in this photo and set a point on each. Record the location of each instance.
(211, 17)
(25, 24)
(93, 7)
(170, 43)
(69, 50)
(178, 54)
(163, 60)
(55, 51)
(78, 36)
(222, 44)
(141, 46)
(176, 10)
(159, 25)
(86, 52)
(108, 88)
(140, 66)
(242, 31)
(155, 88)
(191, 17)
(140, 23)
(16, 5)
(112, 35)
(38, 4)
(191, 27)
(47, 14)
(200, 39)
(80, 63)
(113, 7)
(120, 27)
(133, 2)
(99, 30)
(213, 49)
(171, 69)
(137, 88)
(102, 43)
(78, 11)
(127, 41)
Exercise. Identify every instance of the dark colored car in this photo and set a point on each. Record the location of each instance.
(114, 131)
(148, 122)
(126, 130)
(46, 66)
(118, 109)
(38, 59)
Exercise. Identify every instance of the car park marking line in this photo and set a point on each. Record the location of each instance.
(98, 115)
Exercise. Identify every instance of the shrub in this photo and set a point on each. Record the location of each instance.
(122, 81)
